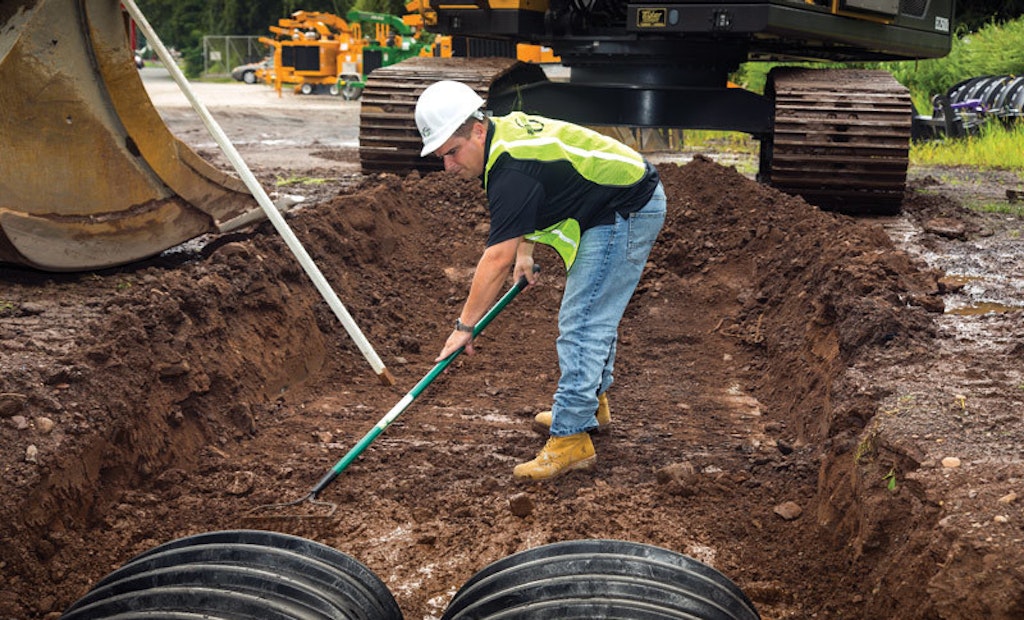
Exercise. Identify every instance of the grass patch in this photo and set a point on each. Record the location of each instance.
(286, 182)
(1002, 208)
(996, 147)
(719, 141)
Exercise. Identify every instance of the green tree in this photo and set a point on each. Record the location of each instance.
(977, 13)
(394, 7)
(182, 24)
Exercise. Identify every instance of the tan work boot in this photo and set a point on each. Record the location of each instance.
(559, 455)
(542, 421)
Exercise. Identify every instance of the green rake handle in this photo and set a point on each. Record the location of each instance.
(406, 400)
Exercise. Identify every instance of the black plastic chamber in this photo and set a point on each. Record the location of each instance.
(599, 579)
(239, 574)
(262, 575)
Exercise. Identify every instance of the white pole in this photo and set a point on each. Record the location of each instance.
(261, 197)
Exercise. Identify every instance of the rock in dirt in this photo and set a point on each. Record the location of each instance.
(789, 511)
(32, 309)
(241, 484)
(11, 404)
(171, 370)
(521, 505)
(951, 284)
(946, 227)
(678, 478)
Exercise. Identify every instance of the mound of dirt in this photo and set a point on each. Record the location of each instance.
(760, 355)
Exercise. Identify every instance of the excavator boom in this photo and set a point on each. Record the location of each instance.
(90, 176)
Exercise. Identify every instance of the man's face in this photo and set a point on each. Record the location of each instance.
(465, 156)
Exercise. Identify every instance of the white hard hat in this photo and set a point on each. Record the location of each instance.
(442, 108)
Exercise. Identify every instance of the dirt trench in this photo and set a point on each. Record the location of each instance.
(786, 388)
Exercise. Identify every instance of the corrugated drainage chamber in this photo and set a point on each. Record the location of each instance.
(262, 575)
(599, 579)
(239, 574)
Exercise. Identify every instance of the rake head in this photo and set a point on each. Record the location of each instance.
(320, 509)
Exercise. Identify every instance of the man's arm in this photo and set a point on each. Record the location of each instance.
(491, 273)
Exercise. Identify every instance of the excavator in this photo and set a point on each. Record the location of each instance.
(837, 137)
(91, 178)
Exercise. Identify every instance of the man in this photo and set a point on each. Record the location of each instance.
(597, 202)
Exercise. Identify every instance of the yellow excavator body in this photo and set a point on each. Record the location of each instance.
(90, 176)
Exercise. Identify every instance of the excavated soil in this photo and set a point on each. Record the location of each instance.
(792, 387)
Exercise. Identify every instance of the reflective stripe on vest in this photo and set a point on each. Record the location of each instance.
(543, 139)
(564, 237)
(594, 156)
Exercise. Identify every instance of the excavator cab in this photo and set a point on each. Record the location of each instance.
(90, 176)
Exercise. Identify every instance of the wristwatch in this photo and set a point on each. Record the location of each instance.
(462, 327)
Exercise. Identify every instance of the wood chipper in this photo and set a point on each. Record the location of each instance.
(311, 49)
(392, 40)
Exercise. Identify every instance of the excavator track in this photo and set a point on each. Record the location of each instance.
(388, 138)
(841, 139)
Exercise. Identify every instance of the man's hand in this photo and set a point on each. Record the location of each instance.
(524, 264)
(455, 340)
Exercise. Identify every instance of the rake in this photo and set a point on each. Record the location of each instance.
(313, 496)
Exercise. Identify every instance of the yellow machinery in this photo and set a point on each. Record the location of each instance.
(316, 51)
(312, 49)
(421, 15)
(90, 177)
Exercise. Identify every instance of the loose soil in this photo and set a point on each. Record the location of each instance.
(792, 389)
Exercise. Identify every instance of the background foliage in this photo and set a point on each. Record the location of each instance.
(994, 49)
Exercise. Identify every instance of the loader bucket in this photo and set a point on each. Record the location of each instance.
(90, 177)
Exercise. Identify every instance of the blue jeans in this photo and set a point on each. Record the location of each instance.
(598, 287)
